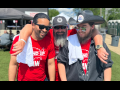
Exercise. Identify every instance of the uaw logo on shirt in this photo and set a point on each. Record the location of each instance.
(38, 54)
(42, 52)
(85, 60)
(80, 18)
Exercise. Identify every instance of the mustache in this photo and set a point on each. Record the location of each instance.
(60, 32)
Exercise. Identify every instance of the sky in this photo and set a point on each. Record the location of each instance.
(67, 11)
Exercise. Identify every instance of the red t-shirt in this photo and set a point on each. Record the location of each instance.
(85, 51)
(42, 51)
(50, 34)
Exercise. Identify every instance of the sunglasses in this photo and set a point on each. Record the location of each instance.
(58, 27)
(83, 29)
(43, 26)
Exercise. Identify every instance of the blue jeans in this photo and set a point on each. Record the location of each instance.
(46, 79)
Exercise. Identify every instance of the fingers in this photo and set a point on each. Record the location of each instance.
(106, 53)
(104, 57)
(102, 60)
(15, 54)
(16, 49)
(16, 44)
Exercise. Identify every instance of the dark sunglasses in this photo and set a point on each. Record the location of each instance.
(43, 26)
(58, 27)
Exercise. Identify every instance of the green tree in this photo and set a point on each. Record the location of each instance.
(53, 12)
(113, 14)
(96, 11)
(76, 10)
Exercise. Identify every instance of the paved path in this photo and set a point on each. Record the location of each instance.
(108, 40)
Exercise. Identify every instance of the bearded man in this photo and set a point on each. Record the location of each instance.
(58, 34)
(77, 59)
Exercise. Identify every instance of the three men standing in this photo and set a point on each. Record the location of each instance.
(58, 35)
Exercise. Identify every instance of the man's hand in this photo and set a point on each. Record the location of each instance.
(18, 47)
(102, 55)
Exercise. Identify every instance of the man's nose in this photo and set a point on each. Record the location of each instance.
(59, 30)
(44, 30)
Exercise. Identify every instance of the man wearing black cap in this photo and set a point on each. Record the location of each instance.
(39, 49)
(58, 34)
(77, 65)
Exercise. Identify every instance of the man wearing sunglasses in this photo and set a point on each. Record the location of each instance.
(58, 34)
(78, 60)
(32, 60)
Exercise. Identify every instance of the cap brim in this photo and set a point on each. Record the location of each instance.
(60, 25)
(96, 19)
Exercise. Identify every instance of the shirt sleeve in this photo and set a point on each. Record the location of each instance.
(51, 51)
(62, 57)
(14, 41)
(109, 61)
(71, 32)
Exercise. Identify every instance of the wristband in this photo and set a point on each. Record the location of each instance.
(23, 40)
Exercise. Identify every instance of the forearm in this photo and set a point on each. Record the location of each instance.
(107, 74)
(97, 37)
(51, 71)
(12, 72)
(62, 72)
(26, 32)
(98, 40)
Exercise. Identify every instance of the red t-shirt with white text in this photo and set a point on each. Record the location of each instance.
(42, 51)
(85, 51)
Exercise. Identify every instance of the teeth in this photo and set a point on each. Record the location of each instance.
(42, 33)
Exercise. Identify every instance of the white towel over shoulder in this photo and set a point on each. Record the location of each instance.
(75, 51)
(26, 56)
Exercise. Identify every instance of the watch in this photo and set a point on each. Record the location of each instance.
(98, 47)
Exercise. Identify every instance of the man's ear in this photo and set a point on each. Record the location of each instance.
(93, 26)
(67, 27)
(33, 25)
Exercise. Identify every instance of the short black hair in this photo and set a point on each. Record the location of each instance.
(40, 15)
(91, 23)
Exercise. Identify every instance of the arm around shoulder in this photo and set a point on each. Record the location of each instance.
(26, 32)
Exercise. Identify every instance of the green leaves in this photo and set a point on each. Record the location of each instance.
(53, 12)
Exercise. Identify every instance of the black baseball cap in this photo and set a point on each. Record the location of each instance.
(59, 20)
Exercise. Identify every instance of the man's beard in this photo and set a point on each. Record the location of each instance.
(85, 38)
(37, 34)
(60, 39)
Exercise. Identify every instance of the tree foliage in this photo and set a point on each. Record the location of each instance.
(114, 14)
(96, 11)
(53, 12)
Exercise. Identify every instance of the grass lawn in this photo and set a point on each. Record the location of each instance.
(5, 58)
